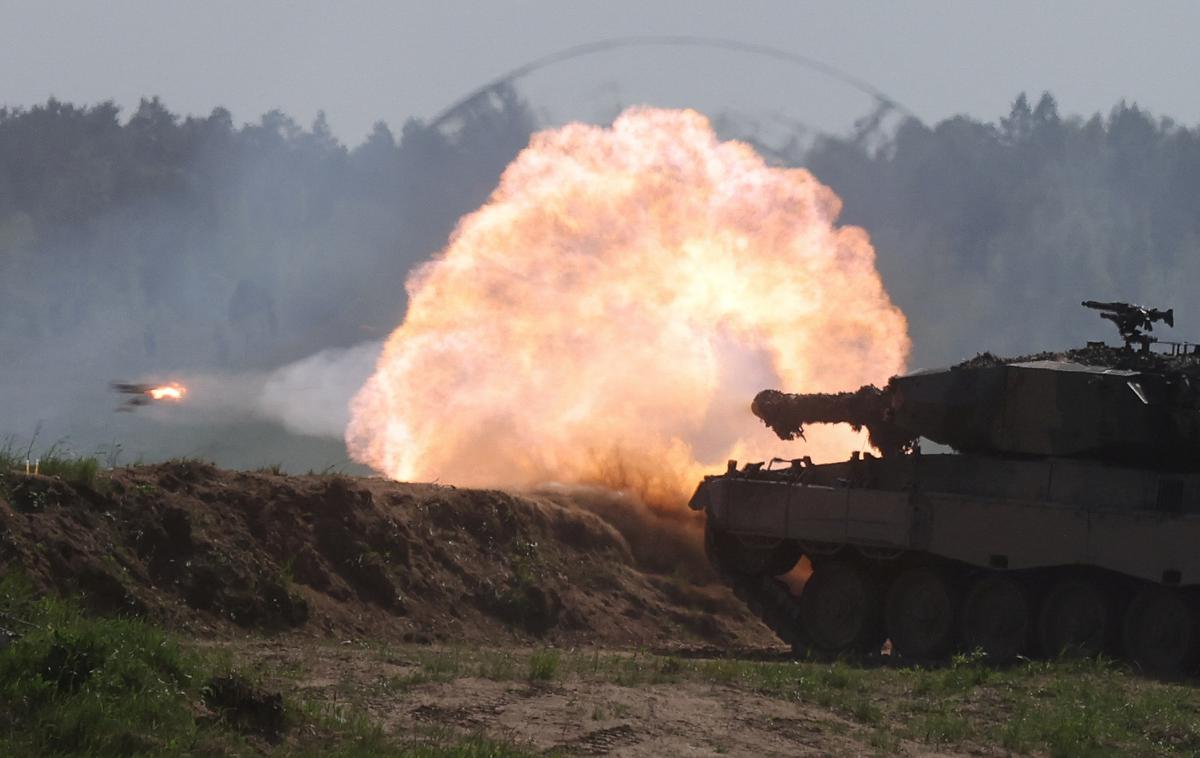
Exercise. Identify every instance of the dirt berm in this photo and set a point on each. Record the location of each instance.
(215, 552)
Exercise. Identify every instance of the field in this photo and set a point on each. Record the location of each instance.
(178, 609)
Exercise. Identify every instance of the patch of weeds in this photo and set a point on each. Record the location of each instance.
(942, 728)
(499, 666)
(274, 469)
(923, 682)
(543, 665)
(434, 667)
(287, 571)
(639, 669)
(724, 671)
(525, 561)
(442, 666)
(525, 604)
(839, 676)
(74, 685)
(56, 462)
(777, 680)
(80, 472)
(668, 670)
(885, 741)
(830, 686)
(1095, 710)
(239, 703)
(342, 731)
(865, 712)
(967, 671)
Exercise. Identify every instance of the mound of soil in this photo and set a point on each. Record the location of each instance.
(216, 552)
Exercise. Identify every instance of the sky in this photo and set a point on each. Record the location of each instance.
(363, 61)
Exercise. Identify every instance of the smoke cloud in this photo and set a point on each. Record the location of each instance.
(311, 396)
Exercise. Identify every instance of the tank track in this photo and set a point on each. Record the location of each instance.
(772, 602)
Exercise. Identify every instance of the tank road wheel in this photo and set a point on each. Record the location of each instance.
(1076, 619)
(840, 609)
(739, 555)
(920, 614)
(996, 618)
(1161, 631)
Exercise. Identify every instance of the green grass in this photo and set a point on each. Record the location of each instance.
(76, 685)
(55, 461)
(78, 471)
(106, 687)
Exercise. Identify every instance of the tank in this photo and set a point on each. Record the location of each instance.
(1061, 514)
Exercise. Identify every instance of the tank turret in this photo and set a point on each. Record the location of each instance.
(1104, 403)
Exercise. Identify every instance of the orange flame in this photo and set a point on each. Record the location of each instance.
(607, 316)
(172, 391)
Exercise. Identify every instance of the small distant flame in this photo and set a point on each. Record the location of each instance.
(172, 391)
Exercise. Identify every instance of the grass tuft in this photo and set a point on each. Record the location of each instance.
(543, 665)
(55, 461)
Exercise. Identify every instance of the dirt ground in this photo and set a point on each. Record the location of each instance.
(215, 553)
(570, 714)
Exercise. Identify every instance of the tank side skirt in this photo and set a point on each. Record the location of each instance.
(978, 531)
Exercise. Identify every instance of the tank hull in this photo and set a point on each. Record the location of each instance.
(1027, 532)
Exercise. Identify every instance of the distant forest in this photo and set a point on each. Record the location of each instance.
(150, 240)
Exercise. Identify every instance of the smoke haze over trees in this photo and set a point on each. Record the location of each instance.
(148, 244)
(219, 246)
(155, 246)
(989, 234)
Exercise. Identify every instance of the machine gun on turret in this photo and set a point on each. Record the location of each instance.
(1132, 319)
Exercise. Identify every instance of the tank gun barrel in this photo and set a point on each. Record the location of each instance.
(870, 407)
